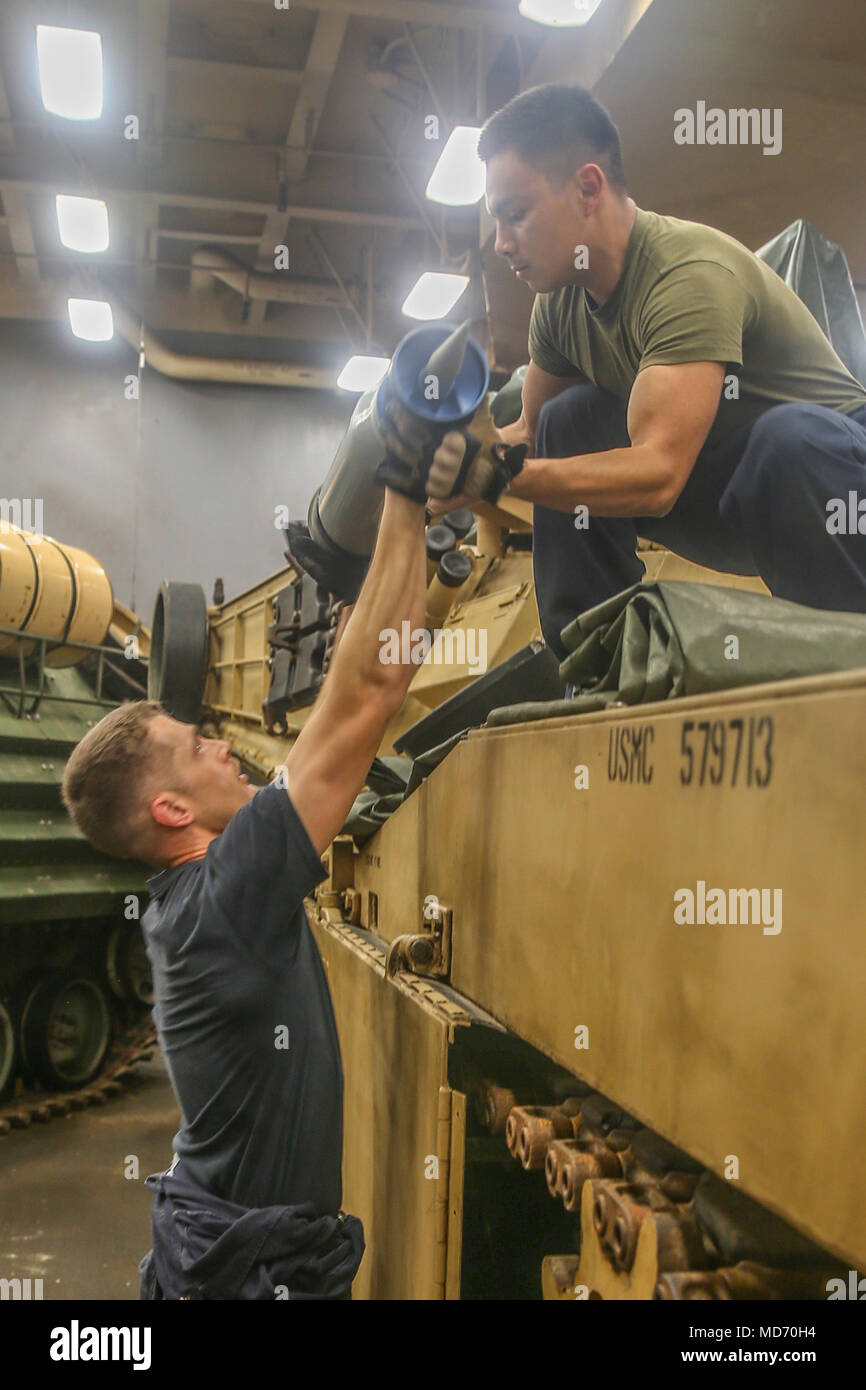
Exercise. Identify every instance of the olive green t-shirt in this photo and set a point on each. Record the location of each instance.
(689, 293)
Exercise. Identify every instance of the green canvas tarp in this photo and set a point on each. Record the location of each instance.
(658, 641)
(655, 642)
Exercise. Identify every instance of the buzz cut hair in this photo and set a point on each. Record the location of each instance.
(557, 128)
(107, 778)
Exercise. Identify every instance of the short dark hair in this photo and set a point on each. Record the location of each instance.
(105, 781)
(557, 127)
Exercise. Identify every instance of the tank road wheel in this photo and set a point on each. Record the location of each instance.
(7, 1049)
(128, 966)
(178, 649)
(65, 1029)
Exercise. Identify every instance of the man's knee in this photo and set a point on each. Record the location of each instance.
(786, 434)
(781, 444)
(557, 416)
(578, 420)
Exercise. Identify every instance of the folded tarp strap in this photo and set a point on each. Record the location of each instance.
(372, 808)
(671, 638)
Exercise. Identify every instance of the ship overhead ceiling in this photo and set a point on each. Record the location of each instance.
(258, 127)
(305, 127)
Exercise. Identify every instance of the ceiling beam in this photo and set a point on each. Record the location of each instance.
(347, 216)
(322, 57)
(439, 15)
(20, 233)
(207, 67)
(150, 30)
(7, 128)
(201, 237)
(172, 310)
(274, 234)
(151, 38)
(17, 216)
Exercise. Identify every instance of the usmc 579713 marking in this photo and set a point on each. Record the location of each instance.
(729, 752)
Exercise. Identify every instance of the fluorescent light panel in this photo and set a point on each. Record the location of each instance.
(83, 223)
(458, 179)
(361, 373)
(91, 319)
(70, 72)
(558, 12)
(434, 295)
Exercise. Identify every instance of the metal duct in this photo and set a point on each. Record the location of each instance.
(263, 285)
(187, 367)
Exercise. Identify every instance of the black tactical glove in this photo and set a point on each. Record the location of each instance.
(410, 445)
(475, 463)
(462, 468)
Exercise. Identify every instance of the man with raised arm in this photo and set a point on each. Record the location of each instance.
(251, 1206)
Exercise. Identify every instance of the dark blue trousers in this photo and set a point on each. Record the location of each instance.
(754, 504)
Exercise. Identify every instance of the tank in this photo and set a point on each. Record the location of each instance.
(75, 990)
(553, 1089)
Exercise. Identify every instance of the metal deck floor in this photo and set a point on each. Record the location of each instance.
(67, 1213)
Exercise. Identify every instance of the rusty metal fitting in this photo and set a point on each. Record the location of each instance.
(679, 1187)
(493, 1104)
(572, 1162)
(690, 1285)
(619, 1139)
(352, 905)
(410, 953)
(559, 1277)
(618, 1210)
(747, 1281)
(531, 1128)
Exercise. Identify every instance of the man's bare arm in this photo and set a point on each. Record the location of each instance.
(670, 414)
(327, 765)
(538, 387)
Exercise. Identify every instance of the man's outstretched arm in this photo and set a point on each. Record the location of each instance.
(329, 761)
(670, 413)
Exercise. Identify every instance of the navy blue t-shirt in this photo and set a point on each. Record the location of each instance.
(244, 1015)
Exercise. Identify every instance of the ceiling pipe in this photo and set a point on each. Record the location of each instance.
(235, 370)
(274, 286)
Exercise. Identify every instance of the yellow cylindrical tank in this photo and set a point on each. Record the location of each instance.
(51, 590)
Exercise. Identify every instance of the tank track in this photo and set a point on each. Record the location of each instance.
(614, 1176)
(38, 1105)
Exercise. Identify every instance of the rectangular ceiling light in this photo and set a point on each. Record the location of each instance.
(434, 295)
(70, 72)
(91, 319)
(459, 176)
(83, 223)
(558, 12)
(362, 373)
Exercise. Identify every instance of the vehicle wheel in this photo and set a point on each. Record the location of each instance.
(128, 966)
(65, 1029)
(178, 649)
(7, 1049)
